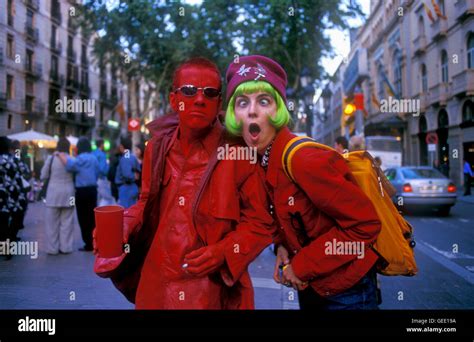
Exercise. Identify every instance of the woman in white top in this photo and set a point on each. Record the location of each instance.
(59, 202)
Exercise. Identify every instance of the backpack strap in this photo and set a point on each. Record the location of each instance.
(292, 147)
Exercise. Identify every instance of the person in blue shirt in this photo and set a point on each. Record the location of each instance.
(127, 172)
(103, 185)
(101, 158)
(468, 174)
(85, 168)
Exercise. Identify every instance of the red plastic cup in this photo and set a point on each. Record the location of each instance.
(109, 230)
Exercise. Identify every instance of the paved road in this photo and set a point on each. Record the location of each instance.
(445, 256)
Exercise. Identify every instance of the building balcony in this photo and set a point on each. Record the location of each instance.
(56, 78)
(439, 28)
(56, 16)
(439, 94)
(3, 101)
(34, 69)
(72, 84)
(84, 61)
(32, 34)
(2, 63)
(32, 4)
(419, 45)
(33, 108)
(56, 47)
(463, 83)
(72, 25)
(85, 89)
(10, 20)
(71, 55)
(463, 9)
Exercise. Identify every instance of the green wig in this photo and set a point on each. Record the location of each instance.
(281, 118)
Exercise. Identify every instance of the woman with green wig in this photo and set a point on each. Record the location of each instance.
(319, 207)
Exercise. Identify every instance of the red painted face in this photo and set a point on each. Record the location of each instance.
(199, 111)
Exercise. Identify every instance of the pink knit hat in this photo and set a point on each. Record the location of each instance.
(256, 68)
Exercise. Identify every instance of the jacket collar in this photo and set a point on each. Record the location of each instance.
(274, 163)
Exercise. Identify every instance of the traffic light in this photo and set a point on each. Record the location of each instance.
(347, 115)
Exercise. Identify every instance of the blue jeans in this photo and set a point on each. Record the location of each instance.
(361, 296)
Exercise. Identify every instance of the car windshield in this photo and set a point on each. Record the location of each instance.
(421, 173)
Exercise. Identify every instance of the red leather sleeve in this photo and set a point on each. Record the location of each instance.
(327, 181)
(133, 218)
(252, 234)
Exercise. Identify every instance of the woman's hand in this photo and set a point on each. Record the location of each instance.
(289, 277)
(281, 260)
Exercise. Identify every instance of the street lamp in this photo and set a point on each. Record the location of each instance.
(307, 91)
(326, 96)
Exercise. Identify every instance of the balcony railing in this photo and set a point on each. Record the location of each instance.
(463, 83)
(34, 69)
(32, 4)
(72, 24)
(419, 45)
(56, 78)
(439, 94)
(56, 47)
(56, 16)
(3, 101)
(72, 84)
(31, 33)
(85, 89)
(463, 9)
(440, 28)
(33, 108)
(71, 55)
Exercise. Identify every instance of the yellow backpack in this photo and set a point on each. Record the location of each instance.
(395, 242)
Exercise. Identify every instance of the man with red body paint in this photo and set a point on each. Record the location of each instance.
(199, 221)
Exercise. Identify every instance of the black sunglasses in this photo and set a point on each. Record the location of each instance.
(190, 90)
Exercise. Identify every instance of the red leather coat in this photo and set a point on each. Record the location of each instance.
(331, 206)
(230, 206)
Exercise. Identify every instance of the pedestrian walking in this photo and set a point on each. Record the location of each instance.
(59, 223)
(104, 196)
(85, 169)
(24, 175)
(10, 190)
(128, 171)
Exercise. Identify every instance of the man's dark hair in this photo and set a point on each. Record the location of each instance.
(196, 61)
(126, 142)
(343, 142)
(83, 145)
(4, 145)
(63, 145)
(99, 143)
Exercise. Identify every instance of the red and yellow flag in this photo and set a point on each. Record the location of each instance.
(121, 110)
(438, 10)
(428, 12)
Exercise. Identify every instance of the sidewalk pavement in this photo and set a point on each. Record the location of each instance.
(69, 282)
(467, 199)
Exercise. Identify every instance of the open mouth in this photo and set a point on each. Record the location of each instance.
(254, 130)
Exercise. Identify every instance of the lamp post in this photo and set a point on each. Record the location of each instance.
(307, 91)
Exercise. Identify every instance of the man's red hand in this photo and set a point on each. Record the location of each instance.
(205, 260)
